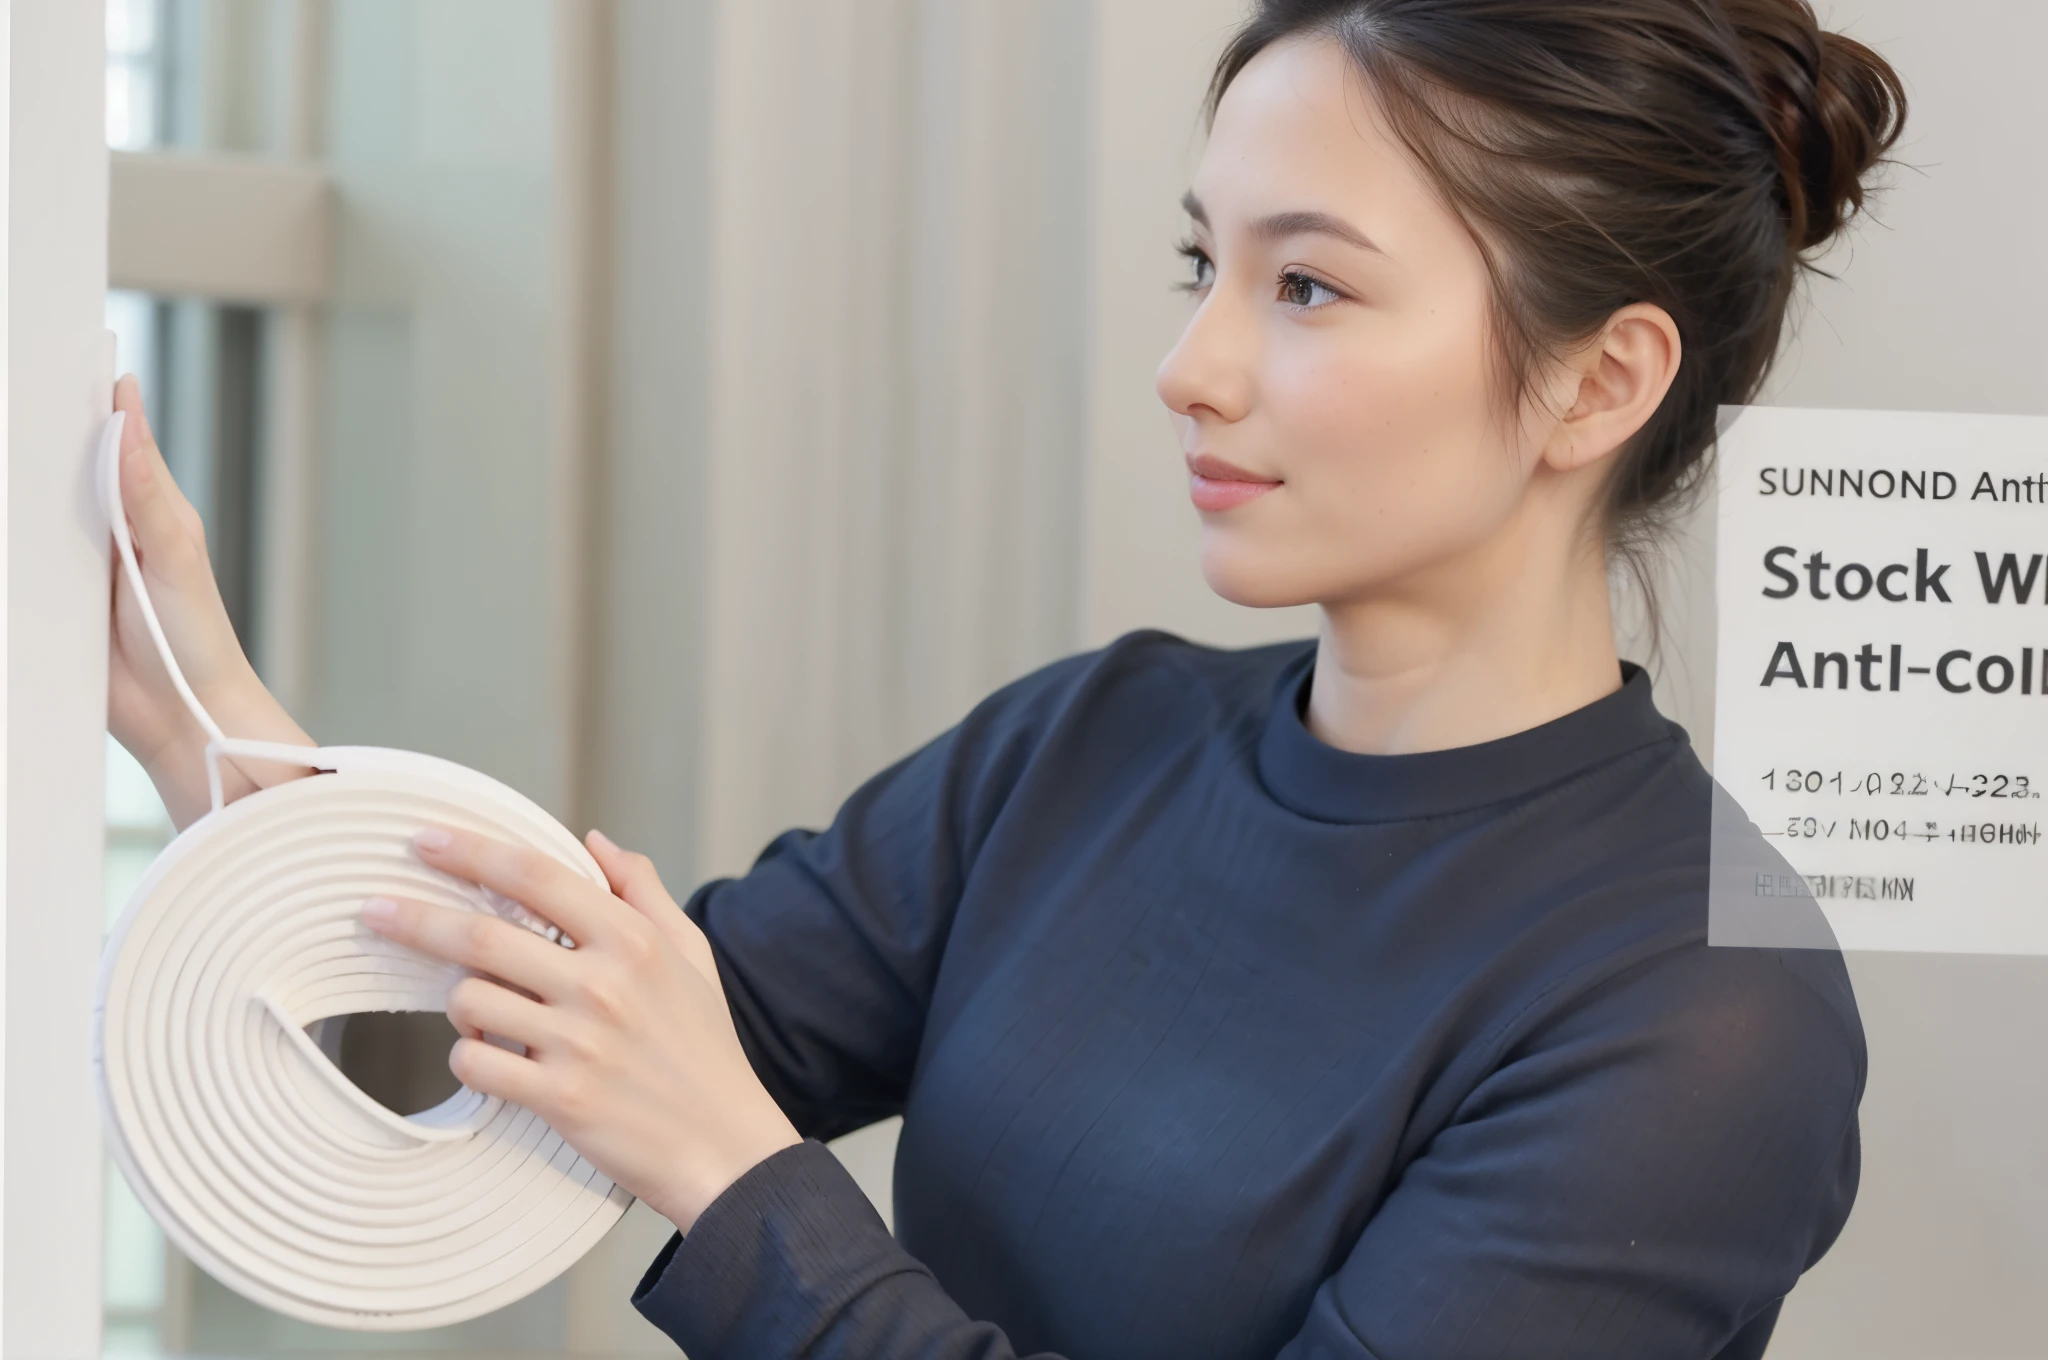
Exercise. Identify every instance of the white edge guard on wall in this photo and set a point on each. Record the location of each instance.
(261, 1159)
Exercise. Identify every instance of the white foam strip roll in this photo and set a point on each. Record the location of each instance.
(262, 1161)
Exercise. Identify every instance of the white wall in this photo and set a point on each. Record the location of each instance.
(6, 391)
(59, 363)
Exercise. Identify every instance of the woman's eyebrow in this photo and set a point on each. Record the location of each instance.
(1279, 226)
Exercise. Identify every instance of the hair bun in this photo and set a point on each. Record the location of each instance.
(1833, 108)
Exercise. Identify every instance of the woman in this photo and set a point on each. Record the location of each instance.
(1343, 998)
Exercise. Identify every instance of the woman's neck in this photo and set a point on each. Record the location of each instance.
(1482, 648)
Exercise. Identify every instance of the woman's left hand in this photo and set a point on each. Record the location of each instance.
(630, 1051)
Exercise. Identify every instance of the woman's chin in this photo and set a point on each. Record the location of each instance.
(1249, 578)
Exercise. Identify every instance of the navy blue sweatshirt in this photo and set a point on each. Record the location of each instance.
(1214, 1041)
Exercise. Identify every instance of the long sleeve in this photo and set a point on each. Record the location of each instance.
(829, 945)
(1614, 1190)
(1642, 1179)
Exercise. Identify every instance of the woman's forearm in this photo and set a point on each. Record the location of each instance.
(245, 709)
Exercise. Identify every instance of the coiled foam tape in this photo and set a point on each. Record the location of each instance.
(262, 1161)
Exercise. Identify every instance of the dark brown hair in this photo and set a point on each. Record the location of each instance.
(1694, 154)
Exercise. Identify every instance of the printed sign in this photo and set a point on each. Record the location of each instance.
(1881, 684)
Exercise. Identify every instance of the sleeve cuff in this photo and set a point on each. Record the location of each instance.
(771, 1261)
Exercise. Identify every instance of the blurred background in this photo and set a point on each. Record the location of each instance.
(680, 408)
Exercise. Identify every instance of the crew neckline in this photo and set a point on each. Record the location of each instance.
(1317, 780)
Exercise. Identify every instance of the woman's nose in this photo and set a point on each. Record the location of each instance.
(1209, 372)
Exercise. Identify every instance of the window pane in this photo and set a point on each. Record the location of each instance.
(134, 73)
(203, 75)
(131, 28)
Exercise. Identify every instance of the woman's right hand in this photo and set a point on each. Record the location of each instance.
(144, 711)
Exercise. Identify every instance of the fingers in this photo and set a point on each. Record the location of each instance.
(583, 910)
(482, 1066)
(128, 399)
(478, 1006)
(632, 875)
(634, 878)
(473, 940)
(166, 529)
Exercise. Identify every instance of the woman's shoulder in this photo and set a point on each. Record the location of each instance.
(1759, 1027)
(1639, 962)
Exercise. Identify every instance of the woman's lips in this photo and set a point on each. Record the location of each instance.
(1215, 485)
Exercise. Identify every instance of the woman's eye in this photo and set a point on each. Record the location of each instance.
(1303, 290)
(1202, 270)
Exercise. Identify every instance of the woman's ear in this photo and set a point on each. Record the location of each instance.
(1623, 374)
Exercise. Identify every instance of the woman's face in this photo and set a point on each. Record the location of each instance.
(1334, 391)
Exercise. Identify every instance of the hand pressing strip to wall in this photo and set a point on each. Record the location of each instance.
(260, 1158)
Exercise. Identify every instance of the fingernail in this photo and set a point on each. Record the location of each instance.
(602, 841)
(380, 911)
(433, 838)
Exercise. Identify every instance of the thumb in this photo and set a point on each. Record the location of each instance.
(635, 880)
(166, 529)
